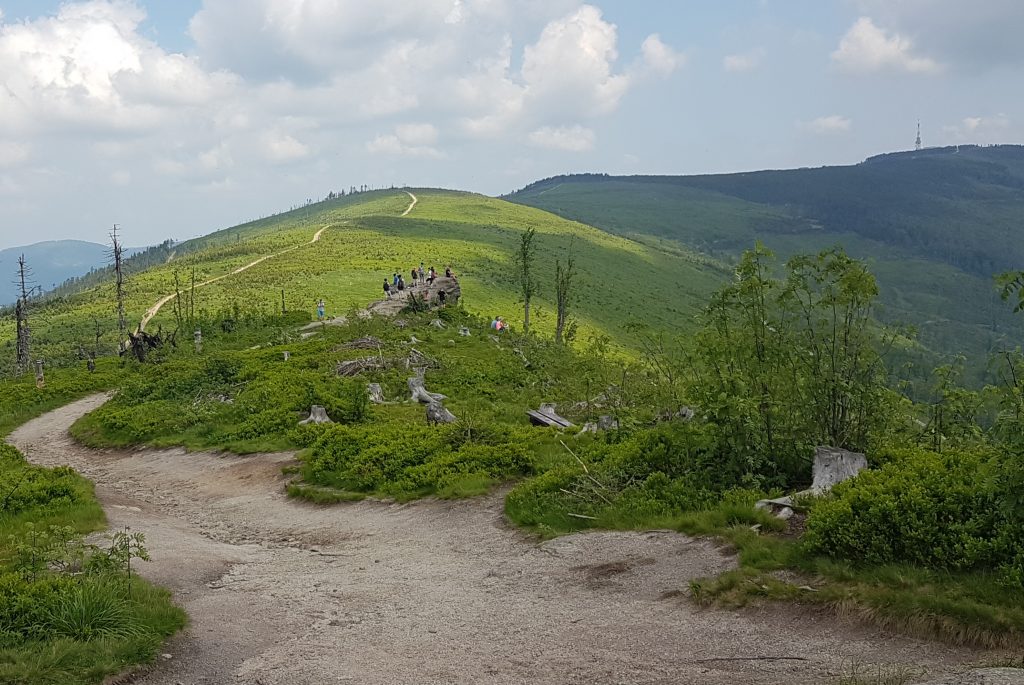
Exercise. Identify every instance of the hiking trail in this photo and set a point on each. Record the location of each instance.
(155, 309)
(411, 204)
(283, 592)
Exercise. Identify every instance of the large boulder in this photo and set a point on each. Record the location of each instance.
(833, 465)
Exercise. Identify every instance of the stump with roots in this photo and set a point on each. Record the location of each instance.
(317, 415)
(437, 414)
(421, 394)
(547, 416)
(376, 393)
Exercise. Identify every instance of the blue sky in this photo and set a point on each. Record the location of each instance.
(176, 118)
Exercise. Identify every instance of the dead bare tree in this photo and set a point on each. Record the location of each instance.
(23, 344)
(117, 251)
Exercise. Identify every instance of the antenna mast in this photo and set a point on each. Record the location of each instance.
(917, 143)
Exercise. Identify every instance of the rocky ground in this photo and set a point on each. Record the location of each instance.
(288, 593)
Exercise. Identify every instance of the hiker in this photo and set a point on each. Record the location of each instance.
(394, 279)
(499, 324)
(432, 276)
(421, 274)
(320, 309)
(441, 295)
(387, 289)
(401, 282)
(448, 271)
(413, 277)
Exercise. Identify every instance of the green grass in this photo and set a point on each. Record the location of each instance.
(366, 239)
(86, 627)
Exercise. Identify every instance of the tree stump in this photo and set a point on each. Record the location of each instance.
(421, 394)
(376, 393)
(436, 414)
(832, 465)
(317, 415)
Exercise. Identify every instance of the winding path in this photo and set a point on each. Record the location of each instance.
(284, 592)
(155, 309)
(411, 204)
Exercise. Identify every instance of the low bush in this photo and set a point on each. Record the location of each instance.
(932, 510)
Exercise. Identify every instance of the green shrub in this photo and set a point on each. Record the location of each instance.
(931, 510)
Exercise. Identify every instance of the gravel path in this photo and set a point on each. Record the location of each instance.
(287, 593)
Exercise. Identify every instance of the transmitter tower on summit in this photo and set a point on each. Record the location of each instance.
(917, 143)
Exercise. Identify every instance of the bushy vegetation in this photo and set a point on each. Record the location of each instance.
(69, 612)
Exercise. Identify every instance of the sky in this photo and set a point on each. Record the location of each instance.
(174, 118)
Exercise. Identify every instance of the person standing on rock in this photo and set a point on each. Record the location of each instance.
(387, 289)
(413, 277)
(401, 283)
(448, 271)
(320, 310)
(422, 274)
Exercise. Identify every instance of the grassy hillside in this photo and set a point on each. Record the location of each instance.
(935, 227)
(364, 238)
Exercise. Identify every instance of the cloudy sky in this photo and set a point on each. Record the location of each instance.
(177, 117)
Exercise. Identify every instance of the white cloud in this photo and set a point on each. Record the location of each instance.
(574, 138)
(88, 67)
(827, 125)
(659, 57)
(867, 47)
(279, 146)
(979, 129)
(408, 140)
(13, 153)
(742, 61)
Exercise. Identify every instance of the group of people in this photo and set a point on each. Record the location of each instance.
(418, 277)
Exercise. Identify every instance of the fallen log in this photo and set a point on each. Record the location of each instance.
(547, 416)
(366, 343)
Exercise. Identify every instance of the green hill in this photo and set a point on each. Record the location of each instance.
(935, 226)
(364, 238)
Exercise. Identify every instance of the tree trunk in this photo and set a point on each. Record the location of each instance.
(421, 394)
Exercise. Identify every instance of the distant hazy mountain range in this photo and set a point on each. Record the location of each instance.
(51, 263)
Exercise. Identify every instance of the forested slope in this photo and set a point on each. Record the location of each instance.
(936, 226)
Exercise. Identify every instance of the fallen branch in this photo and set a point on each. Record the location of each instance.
(583, 516)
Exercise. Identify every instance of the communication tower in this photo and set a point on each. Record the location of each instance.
(917, 143)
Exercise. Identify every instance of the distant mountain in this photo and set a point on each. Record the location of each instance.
(51, 262)
(936, 226)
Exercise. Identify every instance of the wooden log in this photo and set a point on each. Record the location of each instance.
(547, 416)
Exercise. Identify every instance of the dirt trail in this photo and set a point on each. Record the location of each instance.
(281, 592)
(155, 309)
(411, 204)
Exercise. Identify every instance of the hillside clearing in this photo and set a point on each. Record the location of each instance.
(432, 591)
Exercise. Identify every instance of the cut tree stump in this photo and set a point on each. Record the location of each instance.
(421, 394)
(436, 414)
(317, 414)
(833, 465)
(547, 416)
(376, 393)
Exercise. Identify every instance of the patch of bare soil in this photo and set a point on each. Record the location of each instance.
(282, 592)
